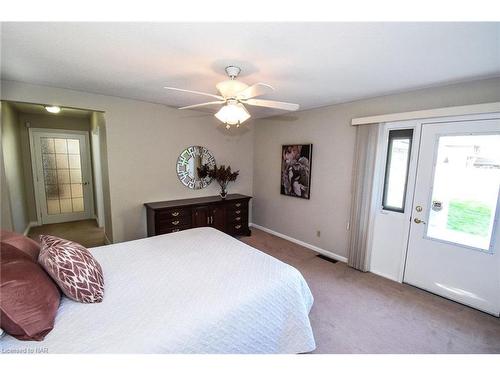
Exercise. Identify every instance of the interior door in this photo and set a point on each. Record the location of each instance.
(453, 248)
(62, 175)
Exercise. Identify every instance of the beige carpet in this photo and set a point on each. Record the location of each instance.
(357, 312)
(85, 232)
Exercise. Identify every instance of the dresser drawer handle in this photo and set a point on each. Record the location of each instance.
(175, 222)
(237, 226)
(176, 213)
(237, 212)
(238, 218)
(238, 204)
(175, 230)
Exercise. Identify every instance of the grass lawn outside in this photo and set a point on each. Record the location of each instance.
(470, 217)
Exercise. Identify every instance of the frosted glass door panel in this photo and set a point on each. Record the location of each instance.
(62, 167)
(62, 173)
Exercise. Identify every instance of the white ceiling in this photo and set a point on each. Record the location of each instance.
(314, 64)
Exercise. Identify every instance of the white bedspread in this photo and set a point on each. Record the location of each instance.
(195, 291)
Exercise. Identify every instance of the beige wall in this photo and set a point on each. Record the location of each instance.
(329, 130)
(6, 213)
(14, 170)
(143, 143)
(100, 172)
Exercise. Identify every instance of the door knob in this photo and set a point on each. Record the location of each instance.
(85, 183)
(418, 208)
(418, 221)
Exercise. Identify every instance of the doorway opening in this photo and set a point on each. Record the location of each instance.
(55, 172)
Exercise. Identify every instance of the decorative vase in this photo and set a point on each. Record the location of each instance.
(223, 193)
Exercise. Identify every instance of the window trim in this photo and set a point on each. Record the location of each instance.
(395, 134)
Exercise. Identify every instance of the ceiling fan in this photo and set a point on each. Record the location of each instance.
(233, 97)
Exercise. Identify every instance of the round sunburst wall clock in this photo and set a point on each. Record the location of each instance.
(189, 161)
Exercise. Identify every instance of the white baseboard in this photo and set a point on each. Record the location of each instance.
(317, 249)
(30, 225)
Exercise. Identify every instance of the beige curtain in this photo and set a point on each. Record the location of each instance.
(362, 205)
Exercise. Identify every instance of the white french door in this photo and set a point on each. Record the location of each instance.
(62, 175)
(454, 240)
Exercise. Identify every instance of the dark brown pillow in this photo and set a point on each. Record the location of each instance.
(23, 243)
(29, 299)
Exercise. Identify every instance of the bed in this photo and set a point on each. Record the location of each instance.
(194, 291)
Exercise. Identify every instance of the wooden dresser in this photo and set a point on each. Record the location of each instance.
(229, 215)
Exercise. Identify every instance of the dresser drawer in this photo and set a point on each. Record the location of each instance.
(237, 228)
(173, 213)
(239, 212)
(241, 217)
(173, 222)
(238, 205)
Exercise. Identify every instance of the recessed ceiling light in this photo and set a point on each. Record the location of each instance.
(53, 109)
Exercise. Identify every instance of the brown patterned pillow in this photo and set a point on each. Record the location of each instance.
(73, 268)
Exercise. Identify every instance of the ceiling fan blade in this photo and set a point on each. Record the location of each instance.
(195, 92)
(202, 104)
(257, 89)
(272, 104)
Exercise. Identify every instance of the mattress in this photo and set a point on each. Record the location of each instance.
(195, 291)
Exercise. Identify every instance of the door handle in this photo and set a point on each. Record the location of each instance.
(85, 183)
(418, 221)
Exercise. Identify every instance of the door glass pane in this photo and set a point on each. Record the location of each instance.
(62, 175)
(50, 176)
(60, 145)
(76, 176)
(74, 161)
(77, 204)
(396, 174)
(66, 206)
(73, 147)
(465, 190)
(48, 146)
(49, 161)
(53, 206)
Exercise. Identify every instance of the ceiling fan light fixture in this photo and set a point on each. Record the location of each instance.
(230, 88)
(233, 113)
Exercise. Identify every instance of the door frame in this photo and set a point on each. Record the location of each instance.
(86, 159)
(416, 125)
